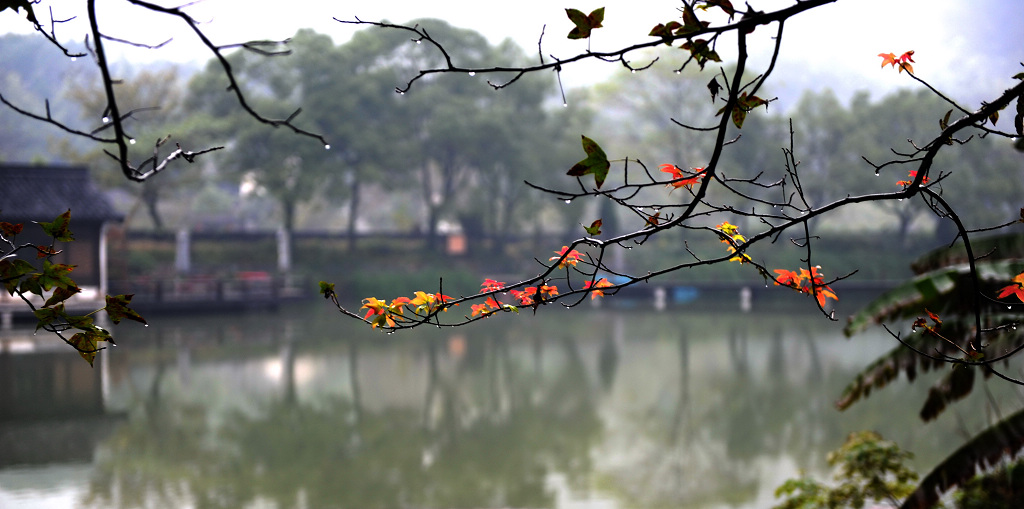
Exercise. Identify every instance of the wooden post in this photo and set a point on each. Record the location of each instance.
(284, 251)
(182, 252)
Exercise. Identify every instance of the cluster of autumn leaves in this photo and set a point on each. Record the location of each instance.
(381, 313)
(811, 282)
(53, 283)
(807, 280)
(387, 314)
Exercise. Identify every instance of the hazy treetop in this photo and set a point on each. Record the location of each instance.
(959, 46)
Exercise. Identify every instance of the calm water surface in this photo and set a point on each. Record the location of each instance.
(609, 408)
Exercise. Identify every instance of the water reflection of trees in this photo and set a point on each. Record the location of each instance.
(651, 409)
(484, 435)
(714, 435)
(676, 458)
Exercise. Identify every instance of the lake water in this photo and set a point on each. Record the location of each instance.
(588, 408)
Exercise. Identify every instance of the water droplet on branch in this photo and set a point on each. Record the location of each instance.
(106, 120)
(132, 141)
(471, 73)
(327, 146)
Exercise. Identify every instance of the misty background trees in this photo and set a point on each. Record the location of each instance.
(453, 157)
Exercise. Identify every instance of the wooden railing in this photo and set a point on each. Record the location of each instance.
(199, 293)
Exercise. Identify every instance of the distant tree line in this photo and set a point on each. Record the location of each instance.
(458, 153)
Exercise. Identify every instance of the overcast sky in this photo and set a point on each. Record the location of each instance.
(971, 47)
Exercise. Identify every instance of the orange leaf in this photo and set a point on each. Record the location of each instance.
(572, 258)
(525, 296)
(823, 292)
(787, 278)
(1012, 290)
(912, 175)
(600, 283)
(481, 309)
(1015, 289)
(903, 61)
(680, 179)
(807, 282)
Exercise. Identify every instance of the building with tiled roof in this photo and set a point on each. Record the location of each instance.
(40, 193)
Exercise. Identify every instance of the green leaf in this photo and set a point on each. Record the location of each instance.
(743, 105)
(726, 6)
(750, 102)
(87, 342)
(701, 52)
(714, 87)
(988, 448)
(16, 4)
(596, 163)
(665, 31)
(61, 295)
(117, 308)
(84, 322)
(31, 285)
(584, 23)
(59, 228)
(46, 316)
(56, 275)
(327, 289)
(594, 228)
(690, 22)
(11, 271)
(738, 116)
(944, 123)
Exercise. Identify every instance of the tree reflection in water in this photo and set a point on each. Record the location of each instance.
(630, 410)
(483, 436)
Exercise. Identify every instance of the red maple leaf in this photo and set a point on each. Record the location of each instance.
(597, 292)
(680, 179)
(903, 61)
(1017, 288)
(912, 175)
